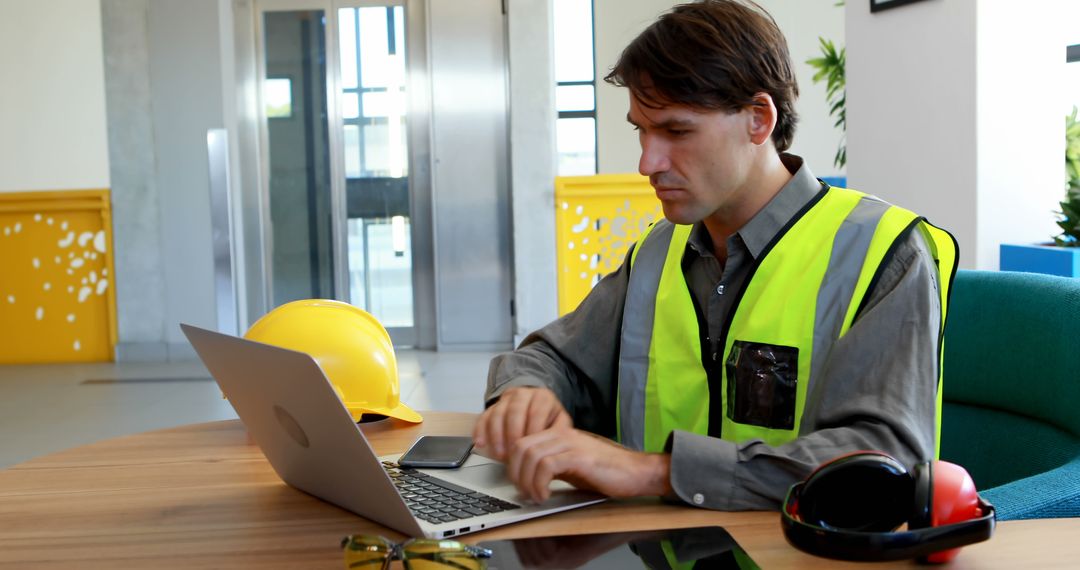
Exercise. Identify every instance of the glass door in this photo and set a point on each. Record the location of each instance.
(335, 152)
(373, 103)
(296, 151)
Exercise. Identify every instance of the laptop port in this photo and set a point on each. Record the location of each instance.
(447, 533)
(463, 530)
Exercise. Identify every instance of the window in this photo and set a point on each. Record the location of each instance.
(373, 91)
(575, 91)
(277, 94)
(374, 135)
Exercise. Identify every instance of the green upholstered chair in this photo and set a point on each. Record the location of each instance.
(1012, 390)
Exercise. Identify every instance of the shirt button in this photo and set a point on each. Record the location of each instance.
(699, 499)
(719, 289)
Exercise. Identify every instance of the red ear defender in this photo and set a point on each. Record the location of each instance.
(954, 501)
(850, 508)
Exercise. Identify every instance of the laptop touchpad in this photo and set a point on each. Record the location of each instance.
(488, 475)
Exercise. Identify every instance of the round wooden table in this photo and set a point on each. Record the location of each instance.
(203, 496)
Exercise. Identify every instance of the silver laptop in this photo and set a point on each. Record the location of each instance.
(296, 418)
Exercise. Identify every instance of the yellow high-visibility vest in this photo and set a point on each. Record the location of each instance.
(801, 295)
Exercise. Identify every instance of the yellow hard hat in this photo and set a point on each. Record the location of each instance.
(351, 347)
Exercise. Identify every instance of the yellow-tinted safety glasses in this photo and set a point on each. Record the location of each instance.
(367, 552)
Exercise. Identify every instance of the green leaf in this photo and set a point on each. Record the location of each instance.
(830, 67)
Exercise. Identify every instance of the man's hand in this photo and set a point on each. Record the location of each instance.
(519, 412)
(586, 461)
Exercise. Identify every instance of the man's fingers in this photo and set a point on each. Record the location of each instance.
(513, 458)
(586, 461)
(516, 469)
(498, 434)
(479, 434)
(559, 419)
(540, 409)
(545, 470)
(530, 453)
(519, 412)
(515, 416)
(494, 427)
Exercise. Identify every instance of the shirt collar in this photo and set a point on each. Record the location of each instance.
(763, 227)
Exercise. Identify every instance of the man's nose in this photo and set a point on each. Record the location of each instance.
(654, 158)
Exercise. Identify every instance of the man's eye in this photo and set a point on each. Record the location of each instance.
(678, 132)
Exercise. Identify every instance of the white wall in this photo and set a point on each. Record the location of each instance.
(54, 136)
(803, 22)
(911, 112)
(52, 104)
(953, 112)
(1019, 173)
(618, 22)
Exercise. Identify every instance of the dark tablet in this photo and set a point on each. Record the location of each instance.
(698, 548)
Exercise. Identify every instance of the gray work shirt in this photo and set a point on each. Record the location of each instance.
(877, 390)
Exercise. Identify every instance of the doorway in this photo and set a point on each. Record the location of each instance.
(383, 164)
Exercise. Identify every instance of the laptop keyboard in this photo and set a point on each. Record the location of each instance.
(437, 501)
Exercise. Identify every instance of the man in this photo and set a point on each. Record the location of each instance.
(769, 324)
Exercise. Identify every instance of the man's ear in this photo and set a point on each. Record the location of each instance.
(762, 118)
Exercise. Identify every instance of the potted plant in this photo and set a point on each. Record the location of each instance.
(1062, 256)
(830, 67)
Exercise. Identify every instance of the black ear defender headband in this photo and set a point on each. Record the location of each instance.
(850, 508)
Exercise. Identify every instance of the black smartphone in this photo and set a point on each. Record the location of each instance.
(437, 451)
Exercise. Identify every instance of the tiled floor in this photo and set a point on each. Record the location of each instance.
(49, 408)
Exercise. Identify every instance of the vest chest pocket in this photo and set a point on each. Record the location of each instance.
(761, 384)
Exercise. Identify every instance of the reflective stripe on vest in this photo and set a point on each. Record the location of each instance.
(663, 383)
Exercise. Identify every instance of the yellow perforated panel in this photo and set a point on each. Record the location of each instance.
(597, 218)
(57, 301)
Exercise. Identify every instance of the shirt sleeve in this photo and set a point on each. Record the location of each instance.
(877, 392)
(576, 356)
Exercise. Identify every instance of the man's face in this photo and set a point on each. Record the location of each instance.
(696, 159)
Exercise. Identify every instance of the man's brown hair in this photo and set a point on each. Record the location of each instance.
(713, 54)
